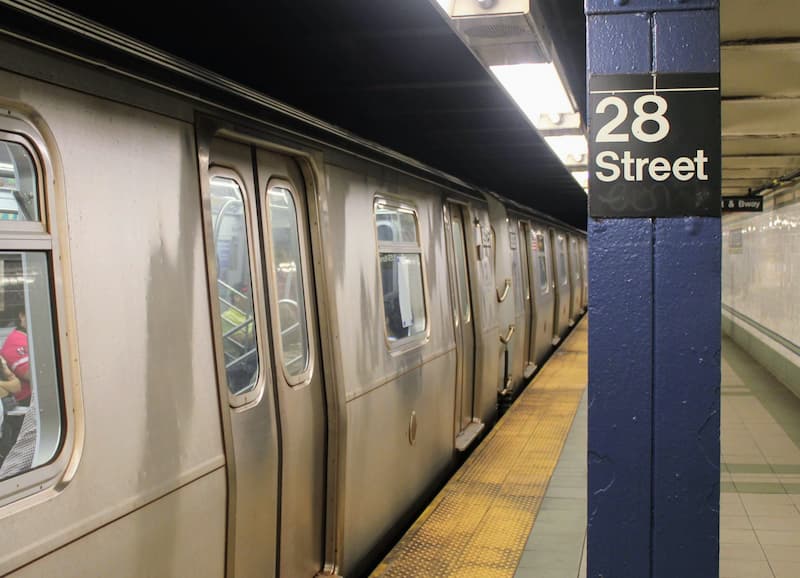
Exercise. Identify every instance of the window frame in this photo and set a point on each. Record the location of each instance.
(381, 247)
(304, 377)
(246, 399)
(541, 261)
(563, 252)
(41, 224)
(575, 261)
(43, 235)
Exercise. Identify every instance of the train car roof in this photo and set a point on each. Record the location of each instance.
(389, 72)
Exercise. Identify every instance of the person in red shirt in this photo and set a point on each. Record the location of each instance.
(15, 352)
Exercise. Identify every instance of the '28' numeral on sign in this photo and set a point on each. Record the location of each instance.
(606, 132)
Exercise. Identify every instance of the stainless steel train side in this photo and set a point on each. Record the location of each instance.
(266, 348)
(142, 491)
(531, 278)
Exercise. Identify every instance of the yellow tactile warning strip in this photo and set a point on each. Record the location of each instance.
(477, 526)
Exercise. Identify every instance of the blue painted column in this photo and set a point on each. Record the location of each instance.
(654, 335)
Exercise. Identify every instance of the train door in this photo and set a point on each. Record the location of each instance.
(541, 290)
(529, 332)
(576, 281)
(297, 362)
(558, 243)
(520, 356)
(585, 269)
(268, 358)
(463, 320)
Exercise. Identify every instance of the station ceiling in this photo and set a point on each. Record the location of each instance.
(391, 71)
(760, 50)
(394, 72)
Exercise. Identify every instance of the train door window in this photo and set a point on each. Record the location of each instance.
(461, 262)
(573, 259)
(234, 285)
(563, 277)
(493, 241)
(287, 269)
(400, 259)
(513, 241)
(32, 412)
(544, 280)
(584, 260)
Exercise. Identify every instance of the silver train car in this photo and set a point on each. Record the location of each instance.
(237, 341)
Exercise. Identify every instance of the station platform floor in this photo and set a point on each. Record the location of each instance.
(759, 473)
(517, 507)
(480, 524)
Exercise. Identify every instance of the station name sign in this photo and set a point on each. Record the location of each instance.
(654, 145)
(742, 204)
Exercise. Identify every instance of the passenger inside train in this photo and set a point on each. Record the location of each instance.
(31, 430)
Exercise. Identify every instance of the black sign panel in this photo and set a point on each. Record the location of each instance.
(654, 145)
(742, 204)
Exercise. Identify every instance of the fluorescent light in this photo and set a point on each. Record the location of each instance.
(582, 177)
(445, 4)
(571, 149)
(536, 88)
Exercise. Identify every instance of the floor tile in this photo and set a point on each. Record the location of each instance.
(789, 478)
(734, 522)
(733, 509)
(787, 523)
(751, 499)
(778, 538)
(770, 509)
(730, 536)
(766, 478)
(782, 553)
(760, 487)
(744, 569)
(738, 457)
(742, 552)
(785, 569)
(792, 488)
(744, 468)
(727, 487)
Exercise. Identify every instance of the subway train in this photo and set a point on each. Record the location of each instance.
(237, 341)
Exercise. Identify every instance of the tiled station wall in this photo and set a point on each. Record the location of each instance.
(761, 284)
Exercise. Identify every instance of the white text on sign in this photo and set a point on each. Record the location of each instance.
(632, 168)
(649, 126)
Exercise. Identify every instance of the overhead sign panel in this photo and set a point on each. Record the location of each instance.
(654, 145)
(742, 204)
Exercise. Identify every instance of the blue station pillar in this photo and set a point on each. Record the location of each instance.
(654, 272)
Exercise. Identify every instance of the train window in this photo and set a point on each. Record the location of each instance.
(515, 268)
(563, 278)
(31, 422)
(493, 241)
(19, 197)
(396, 226)
(37, 424)
(544, 280)
(288, 272)
(234, 285)
(584, 260)
(573, 259)
(461, 269)
(400, 259)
